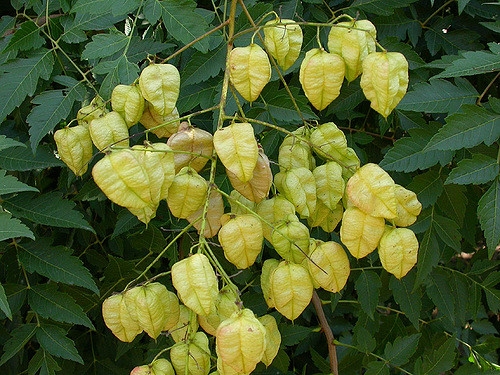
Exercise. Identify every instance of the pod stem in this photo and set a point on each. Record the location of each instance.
(330, 339)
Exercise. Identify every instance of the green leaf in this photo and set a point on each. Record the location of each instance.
(8, 142)
(467, 128)
(125, 221)
(478, 170)
(42, 361)
(150, 240)
(4, 304)
(473, 63)
(139, 48)
(116, 7)
(56, 263)
(399, 352)
(120, 71)
(19, 338)
(363, 339)
(104, 45)
(453, 201)
(490, 287)
(202, 66)
(51, 107)
(488, 211)
(25, 38)
(49, 303)
(377, 368)
(9, 184)
(75, 27)
(448, 231)
(382, 7)
(20, 77)
(408, 153)
(409, 301)
(428, 256)
(53, 339)
(440, 360)
(22, 159)
(47, 209)
(439, 291)
(293, 334)
(368, 286)
(321, 363)
(428, 187)
(398, 25)
(439, 96)
(351, 95)
(11, 228)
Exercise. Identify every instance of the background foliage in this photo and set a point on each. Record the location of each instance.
(65, 248)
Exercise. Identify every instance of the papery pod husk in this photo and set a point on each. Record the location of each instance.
(273, 339)
(237, 149)
(192, 142)
(373, 191)
(187, 193)
(215, 210)
(150, 119)
(96, 109)
(291, 289)
(398, 251)
(127, 100)
(159, 84)
(353, 40)
(226, 304)
(408, 207)
(294, 153)
(268, 268)
(257, 188)
(329, 142)
(141, 370)
(241, 238)
(283, 40)
(290, 239)
(329, 266)
(74, 147)
(350, 163)
(224, 369)
(273, 210)
(191, 357)
(118, 318)
(187, 325)
(109, 130)
(325, 218)
(384, 80)
(329, 183)
(240, 341)
(239, 204)
(196, 283)
(360, 232)
(160, 366)
(299, 187)
(321, 75)
(249, 70)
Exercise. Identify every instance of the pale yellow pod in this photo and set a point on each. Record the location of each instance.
(240, 341)
(373, 191)
(329, 266)
(290, 239)
(291, 289)
(273, 339)
(294, 153)
(159, 84)
(240, 204)
(353, 41)
(408, 207)
(272, 211)
(283, 40)
(192, 356)
(96, 108)
(257, 188)
(187, 325)
(74, 147)
(249, 70)
(398, 251)
(328, 141)
(241, 238)
(325, 218)
(127, 100)
(360, 232)
(268, 268)
(384, 80)
(214, 212)
(329, 183)
(194, 147)
(163, 126)
(350, 163)
(118, 318)
(109, 130)
(237, 149)
(196, 283)
(187, 193)
(161, 366)
(299, 187)
(321, 75)
(226, 304)
(224, 369)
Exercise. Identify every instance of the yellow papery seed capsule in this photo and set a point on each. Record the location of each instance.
(249, 70)
(118, 318)
(329, 183)
(214, 212)
(299, 187)
(329, 266)
(187, 193)
(127, 100)
(150, 119)
(398, 251)
(240, 204)
(186, 326)
(193, 356)
(195, 281)
(74, 147)
(226, 304)
(321, 75)
(290, 239)
(272, 211)
(408, 207)
(329, 142)
(96, 109)
(159, 84)
(384, 80)
(283, 40)
(268, 268)
(294, 153)
(325, 218)
(110, 129)
(273, 339)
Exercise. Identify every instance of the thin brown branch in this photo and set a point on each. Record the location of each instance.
(325, 327)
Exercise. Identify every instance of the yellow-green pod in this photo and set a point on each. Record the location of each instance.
(398, 251)
(299, 187)
(283, 40)
(160, 84)
(109, 130)
(74, 147)
(273, 339)
(329, 266)
(192, 356)
(187, 193)
(290, 239)
(118, 318)
(127, 100)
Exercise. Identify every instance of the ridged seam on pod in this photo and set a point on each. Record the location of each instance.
(272, 211)
(273, 339)
(127, 100)
(268, 268)
(119, 320)
(74, 147)
(214, 212)
(329, 266)
(96, 108)
(398, 251)
(186, 326)
(150, 119)
(187, 193)
(159, 84)
(408, 207)
(225, 305)
(249, 70)
(192, 356)
(110, 129)
(329, 183)
(329, 142)
(283, 40)
(290, 239)
(299, 187)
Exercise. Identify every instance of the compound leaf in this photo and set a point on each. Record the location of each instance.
(202, 66)
(116, 7)
(42, 361)
(478, 170)
(25, 38)
(409, 301)
(10, 184)
(440, 360)
(381, 7)
(488, 211)
(19, 337)
(399, 352)
(4, 304)
(104, 45)
(54, 340)
(11, 228)
(368, 286)
(23, 159)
